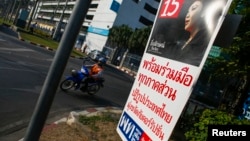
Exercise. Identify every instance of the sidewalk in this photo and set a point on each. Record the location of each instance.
(72, 119)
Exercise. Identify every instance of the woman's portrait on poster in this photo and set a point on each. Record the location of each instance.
(186, 37)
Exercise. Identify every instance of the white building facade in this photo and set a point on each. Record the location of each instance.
(101, 16)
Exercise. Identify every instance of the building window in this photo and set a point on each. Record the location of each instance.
(145, 21)
(93, 6)
(150, 9)
(136, 1)
(89, 17)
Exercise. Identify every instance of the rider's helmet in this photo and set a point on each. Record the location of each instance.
(101, 61)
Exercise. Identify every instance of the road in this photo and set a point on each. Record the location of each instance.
(23, 69)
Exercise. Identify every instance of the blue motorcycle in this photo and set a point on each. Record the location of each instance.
(77, 81)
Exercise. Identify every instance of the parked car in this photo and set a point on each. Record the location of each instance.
(96, 54)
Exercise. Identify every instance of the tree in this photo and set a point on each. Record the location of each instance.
(199, 123)
(125, 37)
(234, 64)
(119, 36)
(138, 40)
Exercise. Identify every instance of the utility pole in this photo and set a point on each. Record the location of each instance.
(54, 12)
(17, 11)
(8, 10)
(56, 71)
(12, 11)
(59, 25)
(32, 13)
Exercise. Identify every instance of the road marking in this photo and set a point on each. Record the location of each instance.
(16, 49)
(2, 39)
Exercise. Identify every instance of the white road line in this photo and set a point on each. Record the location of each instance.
(2, 39)
(16, 49)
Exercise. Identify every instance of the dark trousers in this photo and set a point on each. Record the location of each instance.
(86, 81)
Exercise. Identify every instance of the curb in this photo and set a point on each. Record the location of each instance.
(127, 71)
(73, 116)
(43, 46)
(88, 112)
(39, 45)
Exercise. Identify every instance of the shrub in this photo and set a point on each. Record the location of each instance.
(199, 131)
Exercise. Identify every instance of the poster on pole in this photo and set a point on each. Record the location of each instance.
(179, 43)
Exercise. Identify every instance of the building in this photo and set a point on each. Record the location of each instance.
(101, 16)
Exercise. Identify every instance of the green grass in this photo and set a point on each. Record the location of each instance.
(43, 39)
(36, 38)
(104, 117)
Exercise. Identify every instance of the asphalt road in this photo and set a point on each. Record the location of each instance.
(23, 69)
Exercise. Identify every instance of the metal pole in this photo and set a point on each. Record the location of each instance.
(56, 70)
(17, 13)
(54, 12)
(58, 27)
(8, 11)
(37, 6)
(12, 11)
(32, 13)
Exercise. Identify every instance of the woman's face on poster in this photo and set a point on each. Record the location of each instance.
(193, 16)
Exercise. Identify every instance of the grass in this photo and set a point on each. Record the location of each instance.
(43, 39)
(39, 39)
(104, 117)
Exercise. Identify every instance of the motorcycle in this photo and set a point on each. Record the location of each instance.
(76, 81)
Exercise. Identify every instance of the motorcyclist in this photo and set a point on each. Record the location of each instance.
(95, 73)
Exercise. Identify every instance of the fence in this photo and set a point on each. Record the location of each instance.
(130, 62)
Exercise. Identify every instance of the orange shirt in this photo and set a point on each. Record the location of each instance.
(95, 69)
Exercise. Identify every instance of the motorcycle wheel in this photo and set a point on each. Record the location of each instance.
(67, 84)
(93, 89)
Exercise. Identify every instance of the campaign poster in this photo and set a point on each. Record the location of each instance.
(179, 43)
